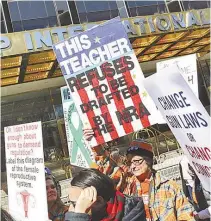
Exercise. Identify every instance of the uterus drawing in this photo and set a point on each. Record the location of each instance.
(25, 196)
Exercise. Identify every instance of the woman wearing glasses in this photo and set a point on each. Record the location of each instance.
(163, 199)
(56, 208)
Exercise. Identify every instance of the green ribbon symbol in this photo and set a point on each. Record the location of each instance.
(77, 136)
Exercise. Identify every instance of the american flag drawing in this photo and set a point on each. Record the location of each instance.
(109, 94)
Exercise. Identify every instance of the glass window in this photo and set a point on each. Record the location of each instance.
(100, 15)
(28, 15)
(80, 6)
(32, 9)
(3, 29)
(52, 21)
(17, 26)
(113, 5)
(63, 12)
(174, 6)
(65, 18)
(131, 4)
(35, 24)
(141, 8)
(61, 6)
(50, 8)
(145, 3)
(162, 8)
(90, 11)
(188, 5)
(83, 17)
(114, 13)
(92, 6)
(147, 10)
(14, 11)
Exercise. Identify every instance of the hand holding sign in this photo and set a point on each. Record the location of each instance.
(105, 82)
(88, 134)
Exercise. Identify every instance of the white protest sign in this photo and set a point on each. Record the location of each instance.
(25, 172)
(186, 117)
(105, 82)
(188, 68)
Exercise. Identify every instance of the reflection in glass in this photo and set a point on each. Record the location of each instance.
(174, 6)
(141, 8)
(32, 9)
(17, 26)
(35, 24)
(63, 12)
(50, 8)
(28, 15)
(188, 5)
(14, 11)
(90, 11)
(52, 21)
(92, 6)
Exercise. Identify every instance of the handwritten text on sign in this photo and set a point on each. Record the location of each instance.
(105, 82)
(187, 66)
(25, 171)
(186, 117)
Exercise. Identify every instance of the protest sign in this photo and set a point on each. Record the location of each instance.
(105, 81)
(188, 68)
(80, 154)
(186, 117)
(25, 172)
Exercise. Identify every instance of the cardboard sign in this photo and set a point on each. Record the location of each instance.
(25, 172)
(187, 66)
(186, 117)
(105, 82)
(80, 154)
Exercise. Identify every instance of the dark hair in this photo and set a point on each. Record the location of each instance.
(92, 177)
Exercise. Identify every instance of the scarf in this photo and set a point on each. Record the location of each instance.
(115, 208)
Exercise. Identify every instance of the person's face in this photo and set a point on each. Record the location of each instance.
(138, 165)
(74, 193)
(51, 191)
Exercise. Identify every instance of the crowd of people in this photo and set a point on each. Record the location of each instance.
(134, 191)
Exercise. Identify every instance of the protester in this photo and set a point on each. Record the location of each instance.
(187, 177)
(56, 208)
(202, 201)
(199, 196)
(93, 197)
(163, 199)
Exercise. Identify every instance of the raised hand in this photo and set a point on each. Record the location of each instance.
(87, 197)
(88, 134)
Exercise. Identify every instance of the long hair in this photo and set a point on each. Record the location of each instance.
(58, 199)
(92, 177)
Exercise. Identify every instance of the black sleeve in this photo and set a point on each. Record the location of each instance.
(134, 209)
(71, 216)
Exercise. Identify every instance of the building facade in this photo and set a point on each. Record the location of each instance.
(30, 75)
